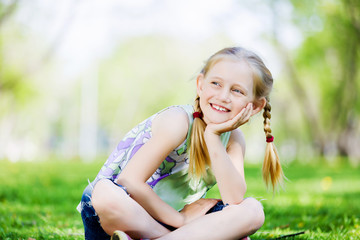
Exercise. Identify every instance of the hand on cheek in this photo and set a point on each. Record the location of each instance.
(241, 118)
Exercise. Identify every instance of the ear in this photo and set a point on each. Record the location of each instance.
(199, 83)
(258, 105)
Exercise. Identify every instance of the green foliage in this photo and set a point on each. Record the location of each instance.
(38, 200)
(15, 89)
(13, 85)
(329, 58)
(320, 200)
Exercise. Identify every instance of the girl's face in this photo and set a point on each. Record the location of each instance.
(225, 90)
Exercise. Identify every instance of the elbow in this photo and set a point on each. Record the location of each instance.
(128, 183)
(238, 197)
(133, 186)
(122, 181)
(241, 193)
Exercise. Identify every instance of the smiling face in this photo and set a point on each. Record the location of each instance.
(225, 90)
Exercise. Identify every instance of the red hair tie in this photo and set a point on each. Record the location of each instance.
(269, 139)
(197, 115)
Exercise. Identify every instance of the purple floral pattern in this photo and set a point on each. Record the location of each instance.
(133, 141)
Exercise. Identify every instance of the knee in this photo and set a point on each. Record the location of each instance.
(255, 212)
(107, 201)
(103, 197)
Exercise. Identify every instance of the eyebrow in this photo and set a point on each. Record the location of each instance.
(217, 77)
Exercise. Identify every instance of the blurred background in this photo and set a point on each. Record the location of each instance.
(76, 75)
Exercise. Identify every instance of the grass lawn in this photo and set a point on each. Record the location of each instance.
(38, 200)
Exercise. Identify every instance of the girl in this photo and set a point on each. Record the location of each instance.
(152, 185)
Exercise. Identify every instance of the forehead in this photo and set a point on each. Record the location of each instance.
(232, 71)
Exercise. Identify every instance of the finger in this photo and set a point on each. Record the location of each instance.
(241, 118)
(210, 202)
(214, 200)
(247, 114)
(248, 109)
(209, 206)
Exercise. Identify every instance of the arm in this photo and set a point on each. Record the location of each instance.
(169, 130)
(228, 164)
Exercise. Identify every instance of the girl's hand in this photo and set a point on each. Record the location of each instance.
(232, 124)
(197, 209)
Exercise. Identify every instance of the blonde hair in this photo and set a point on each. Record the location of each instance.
(199, 159)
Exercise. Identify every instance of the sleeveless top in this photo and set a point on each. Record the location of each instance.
(170, 181)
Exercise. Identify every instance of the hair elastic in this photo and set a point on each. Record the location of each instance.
(197, 115)
(269, 139)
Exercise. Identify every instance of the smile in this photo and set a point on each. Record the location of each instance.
(219, 108)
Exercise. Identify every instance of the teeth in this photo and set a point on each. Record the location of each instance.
(220, 108)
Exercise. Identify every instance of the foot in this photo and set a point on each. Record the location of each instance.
(120, 235)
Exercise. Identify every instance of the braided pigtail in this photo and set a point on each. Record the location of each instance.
(272, 171)
(199, 157)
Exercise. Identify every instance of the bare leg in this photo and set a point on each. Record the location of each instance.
(233, 222)
(118, 211)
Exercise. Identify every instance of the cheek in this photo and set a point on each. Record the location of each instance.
(202, 102)
(205, 95)
(207, 91)
(241, 104)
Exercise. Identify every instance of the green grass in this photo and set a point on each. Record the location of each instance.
(38, 200)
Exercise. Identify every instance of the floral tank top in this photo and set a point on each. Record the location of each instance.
(170, 181)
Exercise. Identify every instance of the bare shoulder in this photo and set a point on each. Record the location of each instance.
(237, 141)
(172, 123)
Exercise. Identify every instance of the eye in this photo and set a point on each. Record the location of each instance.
(215, 83)
(238, 91)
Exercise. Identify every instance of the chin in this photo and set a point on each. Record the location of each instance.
(217, 120)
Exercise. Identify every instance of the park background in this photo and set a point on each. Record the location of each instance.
(75, 76)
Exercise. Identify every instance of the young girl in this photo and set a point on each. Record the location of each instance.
(152, 186)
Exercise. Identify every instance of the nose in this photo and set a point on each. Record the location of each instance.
(224, 95)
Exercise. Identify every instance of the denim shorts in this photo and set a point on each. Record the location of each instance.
(91, 221)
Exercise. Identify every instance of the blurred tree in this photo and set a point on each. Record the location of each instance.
(6, 10)
(324, 72)
(12, 87)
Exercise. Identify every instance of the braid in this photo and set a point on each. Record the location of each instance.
(197, 104)
(199, 157)
(272, 171)
(267, 117)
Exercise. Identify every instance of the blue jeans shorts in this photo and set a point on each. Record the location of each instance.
(91, 221)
